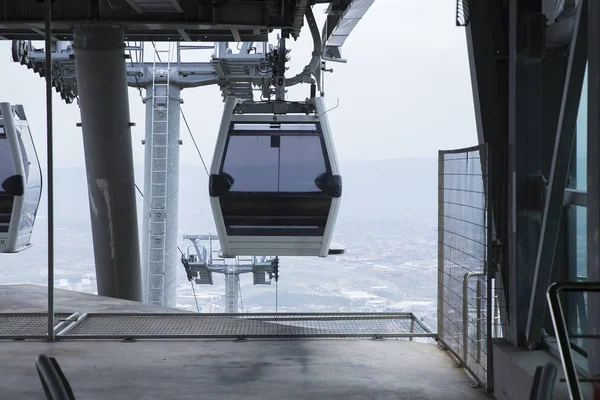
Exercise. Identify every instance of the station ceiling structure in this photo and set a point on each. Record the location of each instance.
(165, 20)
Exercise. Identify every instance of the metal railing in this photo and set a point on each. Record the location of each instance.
(464, 285)
(562, 333)
(215, 326)
(476, 322)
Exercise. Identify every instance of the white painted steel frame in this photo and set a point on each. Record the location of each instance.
(15, 239)
(232, 246)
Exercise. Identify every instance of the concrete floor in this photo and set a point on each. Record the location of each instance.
(222, 369)
(271, 369)
(33, 298)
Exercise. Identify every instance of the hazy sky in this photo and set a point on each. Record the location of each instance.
(405, 91)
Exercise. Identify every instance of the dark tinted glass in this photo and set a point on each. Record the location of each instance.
(252, 163)
(300, 163)
(269, 162)
(6, 166)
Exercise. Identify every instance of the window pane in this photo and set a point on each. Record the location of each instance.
(581, 139)
(6, 167)
(34, 179)
(252, 163)
(273, 163)
(302, 161)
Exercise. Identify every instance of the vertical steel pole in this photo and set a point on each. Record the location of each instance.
(478, 320)
(440, 294)
(50, 163)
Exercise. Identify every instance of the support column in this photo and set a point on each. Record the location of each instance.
(153, 233)
(104, 104)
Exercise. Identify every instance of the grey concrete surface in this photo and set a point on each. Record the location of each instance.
(222, 369)
(33, 298)
(271, 369)
(515, 370)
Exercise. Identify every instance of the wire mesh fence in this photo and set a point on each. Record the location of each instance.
(463, 305)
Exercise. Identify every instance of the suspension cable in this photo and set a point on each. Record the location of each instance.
(194, 141)
(195, 298)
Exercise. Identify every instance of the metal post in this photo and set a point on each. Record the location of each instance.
(496, 314)
(490, 268)
(104, 104)
(440, 302)
(465, 319)
(465, 312)
(593, 187)
(50, 168)
(171, 253)
(478, 321)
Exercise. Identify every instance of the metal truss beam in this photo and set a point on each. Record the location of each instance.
(235, 72)
(178, 20)
(553, 207)
(155, 16)
(141, 31)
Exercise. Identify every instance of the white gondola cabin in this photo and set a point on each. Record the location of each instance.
(20, 180)
(275, 187)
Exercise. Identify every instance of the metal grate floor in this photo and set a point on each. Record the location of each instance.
(172, 326)
(31, 325)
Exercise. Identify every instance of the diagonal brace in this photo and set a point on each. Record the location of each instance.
(563, 147)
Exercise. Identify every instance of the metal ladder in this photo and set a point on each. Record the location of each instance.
(158, 177)
(231, 289)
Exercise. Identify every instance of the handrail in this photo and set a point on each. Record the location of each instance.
(55, 384)
(562, 334)
(543, 383)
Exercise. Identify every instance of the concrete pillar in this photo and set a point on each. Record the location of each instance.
(153, 230)
(104, 104)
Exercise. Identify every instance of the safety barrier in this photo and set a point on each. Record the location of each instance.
(464, 298)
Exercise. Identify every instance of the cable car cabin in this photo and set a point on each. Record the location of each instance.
(20, 180)
(275, 186)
